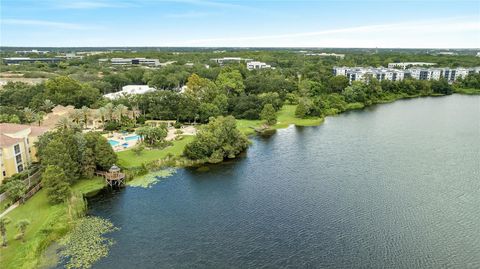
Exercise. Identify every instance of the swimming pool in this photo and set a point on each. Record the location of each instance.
(133, 137)
(113, 143)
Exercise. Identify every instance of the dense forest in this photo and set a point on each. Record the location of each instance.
(214, 90)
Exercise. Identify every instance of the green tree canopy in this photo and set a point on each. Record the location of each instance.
(217, 140)
(56, 184)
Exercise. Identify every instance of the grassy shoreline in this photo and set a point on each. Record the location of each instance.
(48, 224)
(467, 91)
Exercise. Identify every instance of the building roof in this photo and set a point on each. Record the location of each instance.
(7, 141)
(11, 128)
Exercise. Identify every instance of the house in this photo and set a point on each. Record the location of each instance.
(257, 65)
(129, 90)
(17, 149)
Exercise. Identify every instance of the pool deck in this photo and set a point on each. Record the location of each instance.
(125, 140)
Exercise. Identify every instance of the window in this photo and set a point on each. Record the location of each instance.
(20, 168)
(16, 148)
(18, 158)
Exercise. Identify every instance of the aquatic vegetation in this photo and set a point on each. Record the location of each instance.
(150, 179)
(86, 243)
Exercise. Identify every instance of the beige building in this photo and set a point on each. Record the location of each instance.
(17, 150)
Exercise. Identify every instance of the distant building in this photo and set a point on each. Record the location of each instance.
(323, 54)
(381, 73)
(409, 64)
(257, 65)
(447, 53)
(226, 60)
(131, 61)
(32, 52)
(17, 149)
(364, 73)
(129, 90)
(20, 60)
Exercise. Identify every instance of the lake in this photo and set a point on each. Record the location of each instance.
(390, 186)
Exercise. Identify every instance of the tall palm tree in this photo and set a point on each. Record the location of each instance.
(120, 111)
(76, 116)
(39, 117)
(29, 114)
(22, 228)
(3, 229)
(86, 114)
(135, 113)
(109, 108)
(63, 123)
(47, 105)
(101, 113)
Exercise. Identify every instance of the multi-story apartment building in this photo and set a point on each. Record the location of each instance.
(17, 150)
(363, 73)
(257, 65)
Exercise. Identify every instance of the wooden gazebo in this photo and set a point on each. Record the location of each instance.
(114, 177)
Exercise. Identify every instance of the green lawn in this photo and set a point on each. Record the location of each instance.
(129, 159)
(470, 91)
(285, 117)
(48, 223)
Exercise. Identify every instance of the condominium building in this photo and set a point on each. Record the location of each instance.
(257, 65)
(450, 74)
(363, 73)
(17, 150)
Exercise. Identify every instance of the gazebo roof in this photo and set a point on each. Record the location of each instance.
(114, 168)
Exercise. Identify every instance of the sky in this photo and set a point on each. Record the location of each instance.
(263, 23)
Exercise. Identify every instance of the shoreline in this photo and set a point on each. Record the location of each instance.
(59, 221)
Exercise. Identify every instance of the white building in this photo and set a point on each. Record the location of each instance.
(129, 90)
(131, 61)
(323, 54)
(225, 60)
(257, 65)
(364, 73)
(404, 65)
(32, 51)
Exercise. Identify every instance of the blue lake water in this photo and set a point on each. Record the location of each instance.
(391, 186)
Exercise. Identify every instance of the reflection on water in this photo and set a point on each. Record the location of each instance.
(396, 186)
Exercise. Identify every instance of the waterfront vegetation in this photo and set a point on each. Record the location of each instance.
(225, 103)
(48, 223)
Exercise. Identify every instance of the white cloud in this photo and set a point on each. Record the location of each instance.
(188, 15)
(417, 33)
(90, 4)
(42, 23)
